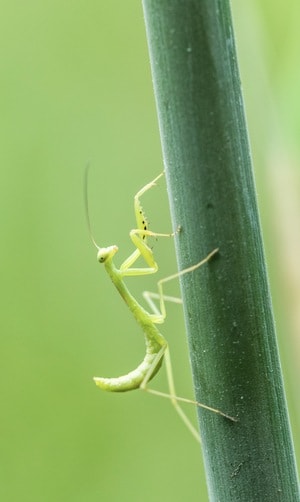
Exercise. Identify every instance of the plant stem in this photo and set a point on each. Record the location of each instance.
(227, 302)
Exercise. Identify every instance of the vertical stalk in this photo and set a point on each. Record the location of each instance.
(227, 302)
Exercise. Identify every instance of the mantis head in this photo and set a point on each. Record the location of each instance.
(105, 253)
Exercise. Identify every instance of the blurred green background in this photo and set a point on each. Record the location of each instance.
(76, 87)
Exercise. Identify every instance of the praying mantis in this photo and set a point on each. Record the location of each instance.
(157, 348)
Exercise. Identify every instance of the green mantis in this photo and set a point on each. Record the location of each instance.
(156, 345)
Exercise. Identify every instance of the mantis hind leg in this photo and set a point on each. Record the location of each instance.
(159, 317)
(175, 400)
(164, 352)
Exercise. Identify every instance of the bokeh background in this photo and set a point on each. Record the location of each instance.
(76, 87)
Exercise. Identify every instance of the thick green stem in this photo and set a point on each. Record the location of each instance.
(227, 302)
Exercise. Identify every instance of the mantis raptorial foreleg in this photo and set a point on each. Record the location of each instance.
(156, 345)
(139, 238)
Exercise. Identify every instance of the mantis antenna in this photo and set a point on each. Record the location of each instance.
(86, 205)
(156, 345)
